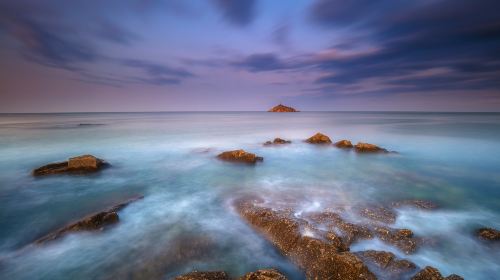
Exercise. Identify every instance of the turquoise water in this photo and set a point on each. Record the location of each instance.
(450, 158)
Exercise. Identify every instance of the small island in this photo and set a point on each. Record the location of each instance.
(282, 109)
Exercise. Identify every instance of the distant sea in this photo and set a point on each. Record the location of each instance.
(452, 159)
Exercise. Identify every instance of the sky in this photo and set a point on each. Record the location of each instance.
(249, 55)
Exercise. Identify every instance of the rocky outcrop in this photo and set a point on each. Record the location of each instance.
(344, 144)
(282, 109)
(431, 273)
(75, 165)
(319, 138)
(317, 257)
(277, 141)
(387, 265)
(207, 275)
(261, 274)
(264, 274)
(93, 222)
(489, 234)
(378, 213)
(368, 148)
(401, 238)
(239, 156)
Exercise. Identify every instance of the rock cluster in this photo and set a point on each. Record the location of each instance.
(262, 274)
(239, 156)
(282, 109)
(75, 165)
(277, 141)
(319, 242)
(319, 138)
(93, 222)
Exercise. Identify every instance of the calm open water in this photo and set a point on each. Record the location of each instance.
(450, 158)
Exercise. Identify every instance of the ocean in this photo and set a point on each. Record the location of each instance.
(452, 159)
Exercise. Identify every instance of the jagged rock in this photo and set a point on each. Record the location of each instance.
(339, 229)
(489, 234)
(417, 203)
(318, 258)
(319, 138)
(239, 156)
(282, 109)
(368, 148)
(378, 213)
(345, 144)
(264, 274)
(401, 238)
(431, 273)
(75, 165)
(207, 275)
(387, 264)
(277, 141)
(94, 222)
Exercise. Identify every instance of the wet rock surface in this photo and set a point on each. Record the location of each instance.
(378, 213)
(75, 165)
(282, 109)
(207, 275)
(277, 141)
(264, 274)
(344, 144)
(415, 203)
(387, 264)
(361, 147)
(319, 259)
(319, 138)
(431, 273)
(489, 234)
(403, 239)
(239, 156)
(93, 222)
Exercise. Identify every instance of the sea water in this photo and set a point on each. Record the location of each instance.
(452, 159)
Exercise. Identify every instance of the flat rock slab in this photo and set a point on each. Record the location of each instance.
(75, 165)
(489, 234)
(93, 222)
(368, 148)
(262, 274)
(277, 141)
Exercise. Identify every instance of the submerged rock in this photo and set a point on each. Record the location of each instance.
(207, 275)
(387, 264)
(79, 165)
(401, 238)
(489, 234)
(239, 156)
(368, 148)
(282, 109)
(319, 258)
(431, 273)
(277, 141)
(264, 274)
(319, 138)
(416, 203)
(93, 222)
(344, 144)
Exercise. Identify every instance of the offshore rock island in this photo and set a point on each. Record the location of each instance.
(282, 109)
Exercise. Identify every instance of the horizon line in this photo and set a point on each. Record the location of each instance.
(249, 111)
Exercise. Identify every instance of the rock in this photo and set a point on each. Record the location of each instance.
(417, 203)
(277, 141)
(208, 275)
(282, 109)
(94, 222)
(431, 273)
(489, 234)
(389, 266)
(318, 258)
(401, 238)
(264, 274)
(239, 156)
(378, 213)
(344, 144)
(75, 165)
(368, 148)
(319, 138)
